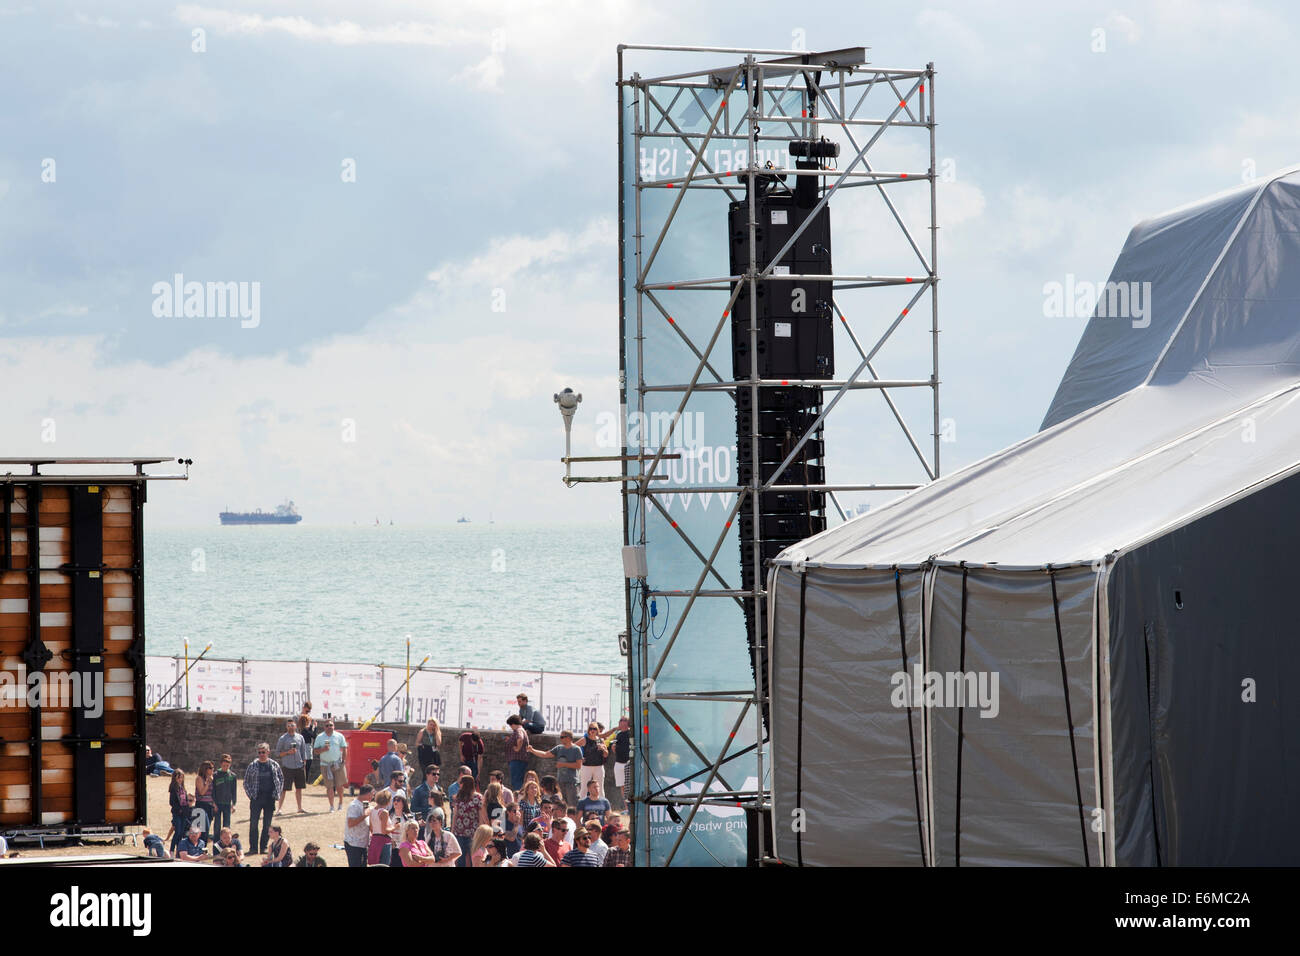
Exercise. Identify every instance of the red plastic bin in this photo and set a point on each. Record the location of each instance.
(363, 747)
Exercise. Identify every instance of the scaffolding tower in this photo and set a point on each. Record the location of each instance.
(694, 137)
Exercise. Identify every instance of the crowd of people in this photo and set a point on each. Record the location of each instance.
(563, 819)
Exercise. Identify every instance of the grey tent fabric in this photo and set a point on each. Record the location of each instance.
(1157, 432)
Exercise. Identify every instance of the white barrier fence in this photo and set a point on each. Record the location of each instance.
(462, 697)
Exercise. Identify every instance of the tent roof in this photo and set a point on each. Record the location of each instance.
(1154, 421)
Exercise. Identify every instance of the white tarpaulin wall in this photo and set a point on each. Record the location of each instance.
(1172, 431)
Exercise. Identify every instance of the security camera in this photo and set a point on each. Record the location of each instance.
(568, 401)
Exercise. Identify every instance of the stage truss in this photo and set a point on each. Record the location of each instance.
(743, 100)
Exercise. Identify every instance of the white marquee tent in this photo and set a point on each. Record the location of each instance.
(1123, 577)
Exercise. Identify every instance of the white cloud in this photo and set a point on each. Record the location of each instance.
(484, 75)
(441, 427)
(340, 32)
(1124, 26)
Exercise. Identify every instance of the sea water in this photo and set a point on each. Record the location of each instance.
(482, 595)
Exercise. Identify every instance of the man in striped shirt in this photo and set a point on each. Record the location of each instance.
(581, 854)
(532, 854)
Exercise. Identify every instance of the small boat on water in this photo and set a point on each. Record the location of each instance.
(462, 520)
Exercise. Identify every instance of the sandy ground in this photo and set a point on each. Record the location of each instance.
(317, 825)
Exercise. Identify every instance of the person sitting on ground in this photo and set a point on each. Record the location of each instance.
(155, 765)
(278, 853)
(228, 859)
(194, 848)
(310, 856)
(228, 841)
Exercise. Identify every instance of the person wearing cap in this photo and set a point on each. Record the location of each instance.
(356, 839)
(194, 848)
(517, 751)
(581, 854)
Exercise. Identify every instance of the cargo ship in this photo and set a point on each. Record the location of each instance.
(283, 514)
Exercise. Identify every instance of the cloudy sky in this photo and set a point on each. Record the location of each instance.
(388, 172)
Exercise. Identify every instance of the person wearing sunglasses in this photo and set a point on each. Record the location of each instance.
(581, 854)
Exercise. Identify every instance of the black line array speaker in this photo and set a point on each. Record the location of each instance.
(789, 324)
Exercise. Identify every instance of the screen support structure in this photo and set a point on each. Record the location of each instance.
(743, 98)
